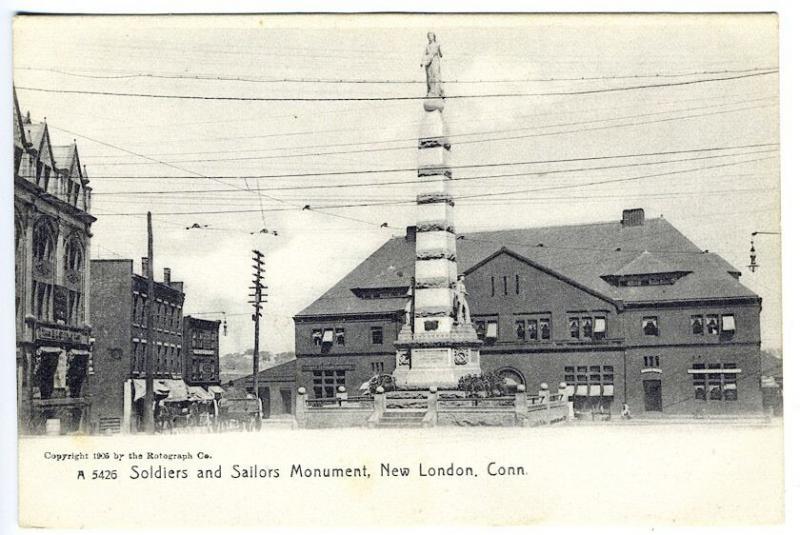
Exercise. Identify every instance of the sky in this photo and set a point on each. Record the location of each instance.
(522, 89)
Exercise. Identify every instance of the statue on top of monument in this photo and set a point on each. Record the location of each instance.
(430, 61)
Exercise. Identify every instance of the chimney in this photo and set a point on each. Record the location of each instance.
(145, 266)
(167, 276)
(411, 233)
(633, 217)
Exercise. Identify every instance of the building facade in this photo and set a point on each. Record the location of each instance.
(201, 353)
(629, 311)
(119, 303)
(52, 235)
(277, 388)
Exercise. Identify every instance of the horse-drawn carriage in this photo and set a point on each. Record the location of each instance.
(241, 413)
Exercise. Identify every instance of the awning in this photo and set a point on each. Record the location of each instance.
(214, 389)
(608, 390)
(178, 390)
(728, 323)
(47, 349)
(139, 388)
(594, 390)
(599, 325)
(582, 390)
(491, 330)
(80, 352)
(730, 386)
(570, 390)
(198, 393)
(328, 336)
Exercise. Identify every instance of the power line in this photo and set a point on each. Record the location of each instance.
(547, 188)
(201, 77)
(398, 98)
(458, 179)
(469, 134)
(463, 166)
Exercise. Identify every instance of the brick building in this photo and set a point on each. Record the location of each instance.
(201, 353)
(52, 232)
(119, 299)
(625, 311)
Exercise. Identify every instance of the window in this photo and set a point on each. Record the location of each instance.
(712, 324)
(650, 325)
(544, 325)
(651, 362)
(316, 337)
(574, 327)
(339, 336)
(728, 323)
(592, 391)
(533, 329)
(326, 382)
(586, 327)
(516, 284)
(327, 337)
(491, 330)
(480, 329)
(377, 335)
(697, 325)
(505, 285)
(377, 367)
(519, 328)
(715, 382)
(599, 328)
(492, 286)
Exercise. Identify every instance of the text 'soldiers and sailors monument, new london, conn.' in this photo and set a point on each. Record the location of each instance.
(627, 311)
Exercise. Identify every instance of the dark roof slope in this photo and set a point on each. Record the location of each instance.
(580, 253)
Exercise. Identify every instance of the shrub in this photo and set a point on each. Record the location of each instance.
(484, 385)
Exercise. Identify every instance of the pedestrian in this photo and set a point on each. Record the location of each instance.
(626, 411)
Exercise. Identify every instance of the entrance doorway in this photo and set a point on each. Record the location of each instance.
(263, 394)
(652, 395)
(286, 396)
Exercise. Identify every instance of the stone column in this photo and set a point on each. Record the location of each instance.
(521, 406)
(300, 407)
(431, 415)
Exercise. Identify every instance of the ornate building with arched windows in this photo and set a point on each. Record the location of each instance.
(51, 237)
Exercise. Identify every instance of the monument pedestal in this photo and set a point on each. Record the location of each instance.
(436, 359)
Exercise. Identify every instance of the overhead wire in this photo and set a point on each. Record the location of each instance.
(394, 98)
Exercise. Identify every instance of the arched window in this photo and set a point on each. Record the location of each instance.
(44, 246)
(73, 256)
(44, 241)
(73, 279)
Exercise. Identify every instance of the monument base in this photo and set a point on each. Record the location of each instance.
(442, 367)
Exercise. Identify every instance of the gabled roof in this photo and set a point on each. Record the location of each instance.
(63, 156)
(582, 254)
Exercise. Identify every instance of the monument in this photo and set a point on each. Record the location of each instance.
(438, 344)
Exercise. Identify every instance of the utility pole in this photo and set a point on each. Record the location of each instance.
(149, 419)
(258, 298)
